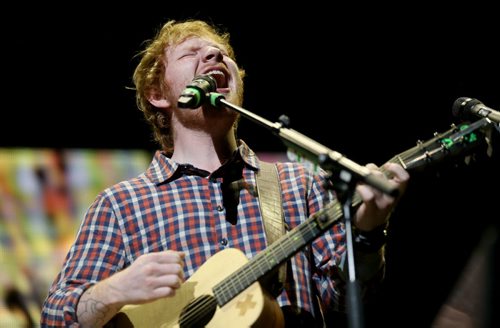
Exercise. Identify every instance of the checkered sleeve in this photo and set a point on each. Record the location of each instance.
(97, 253)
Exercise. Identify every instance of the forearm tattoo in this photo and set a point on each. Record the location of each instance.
(90, 309)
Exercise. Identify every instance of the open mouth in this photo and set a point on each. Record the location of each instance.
(221, 79)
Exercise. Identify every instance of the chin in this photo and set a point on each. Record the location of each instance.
(235, 99)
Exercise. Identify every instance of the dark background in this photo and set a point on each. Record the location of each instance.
(367, 81)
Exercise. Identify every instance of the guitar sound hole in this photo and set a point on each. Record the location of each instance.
(199, 312)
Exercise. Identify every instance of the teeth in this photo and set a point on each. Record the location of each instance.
(214, 72)
(219, 76)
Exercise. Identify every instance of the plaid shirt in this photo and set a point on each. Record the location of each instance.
(178, 207)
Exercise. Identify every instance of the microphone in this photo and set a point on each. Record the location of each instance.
(464, 107)
(196, 92)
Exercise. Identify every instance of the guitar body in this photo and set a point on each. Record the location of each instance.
(251, 308)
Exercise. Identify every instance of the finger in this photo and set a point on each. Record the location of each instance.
(396, 172)
(168, 270)
(168, 257)
(375, 170)
(169, 280)
(372, 167)
(164, 292)
(367, 193)
(171, 268)
(173, 256)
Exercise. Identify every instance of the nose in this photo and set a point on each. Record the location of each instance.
(212, 53)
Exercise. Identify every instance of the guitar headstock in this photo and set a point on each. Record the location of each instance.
(465, 140)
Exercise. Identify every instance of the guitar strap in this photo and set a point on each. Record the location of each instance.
(271, 207)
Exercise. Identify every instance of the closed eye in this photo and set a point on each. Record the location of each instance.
(187, 54)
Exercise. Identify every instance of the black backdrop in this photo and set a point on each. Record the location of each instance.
(367, 81)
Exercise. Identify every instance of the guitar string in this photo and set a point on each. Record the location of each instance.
(204, 307)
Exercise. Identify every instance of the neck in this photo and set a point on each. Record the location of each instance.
(203, 150)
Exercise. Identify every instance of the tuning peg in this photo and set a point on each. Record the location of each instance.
(284, 120)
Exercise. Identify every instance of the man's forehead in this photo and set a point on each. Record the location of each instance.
(194, 42)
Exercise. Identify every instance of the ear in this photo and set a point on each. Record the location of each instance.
(157, 99)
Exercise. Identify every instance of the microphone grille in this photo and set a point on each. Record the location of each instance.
(210, 80)
(462, 106)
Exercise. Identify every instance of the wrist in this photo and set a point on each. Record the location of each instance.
(370, 241)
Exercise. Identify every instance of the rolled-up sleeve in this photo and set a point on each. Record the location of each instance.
(97, 253)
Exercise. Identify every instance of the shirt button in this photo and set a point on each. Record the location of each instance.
(220, 208)
(223, 241)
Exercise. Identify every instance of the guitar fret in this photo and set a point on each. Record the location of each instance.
(311, 231)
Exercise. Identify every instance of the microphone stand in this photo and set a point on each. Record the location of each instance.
(330, 160)
(344, 175)
(354, 304)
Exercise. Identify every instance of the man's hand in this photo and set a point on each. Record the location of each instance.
(150, 277)
(376, 205)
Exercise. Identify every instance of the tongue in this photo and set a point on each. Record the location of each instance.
(221, 80)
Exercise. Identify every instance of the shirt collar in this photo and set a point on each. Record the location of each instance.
(162, 168)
